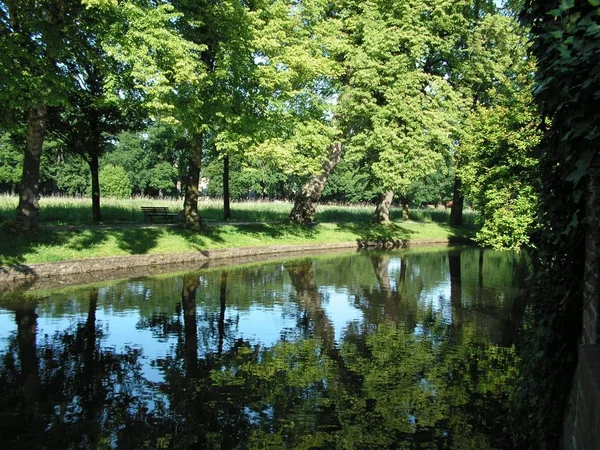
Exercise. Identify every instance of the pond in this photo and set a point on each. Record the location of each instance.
(363, 350)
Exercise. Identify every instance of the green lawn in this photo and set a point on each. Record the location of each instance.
(59, 244)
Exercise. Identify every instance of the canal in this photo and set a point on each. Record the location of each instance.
(410, 349)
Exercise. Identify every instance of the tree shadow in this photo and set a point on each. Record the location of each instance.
(460, 235)
(197, 239)
(138, 241)
(15, 245)
(81, 239)
(276, 230)
(390, 235)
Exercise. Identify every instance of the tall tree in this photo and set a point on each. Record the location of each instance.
(33, 46)
(496, 166)
(111, 91)
(398, 116)
(299, 77)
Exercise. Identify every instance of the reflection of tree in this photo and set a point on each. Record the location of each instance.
(30, 378)
(386, 384)
(80, 393)
(387, 295)
(188, 300)
(303, 280)
(222, 307)
(456, 287)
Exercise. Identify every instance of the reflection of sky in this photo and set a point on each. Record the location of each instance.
(438, 299)
(8, 325)
(263, 325)
(394, 267)
(121, 333)
(339, 310)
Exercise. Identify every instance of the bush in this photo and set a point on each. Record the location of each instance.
(114, 182)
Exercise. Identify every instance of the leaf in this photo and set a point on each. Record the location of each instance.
(566, 4)
(581, 168)
(594, 2)
(573, 224)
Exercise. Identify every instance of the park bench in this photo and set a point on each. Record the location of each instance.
(150, 212)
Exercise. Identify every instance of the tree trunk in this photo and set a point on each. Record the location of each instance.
(305, 204)
(456, 213)
(382, 211)
(387, 297)
(95, 169)
(28, 209)
(480, 281)
(190, 203)
(226, 194)
(405, 210)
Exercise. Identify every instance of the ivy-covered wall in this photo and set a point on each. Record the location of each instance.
(564, 304)
(591, 288)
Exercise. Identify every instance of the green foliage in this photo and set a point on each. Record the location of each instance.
(250, 179)
(148, 158)
(499, 172)
(398, 116)
(114, 182)
(567, 46)
(162, 177)
(12, 160)
(495, 160)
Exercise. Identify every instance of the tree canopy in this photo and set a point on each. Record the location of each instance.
(264, 99)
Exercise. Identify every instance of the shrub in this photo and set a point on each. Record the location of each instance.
(114, 182)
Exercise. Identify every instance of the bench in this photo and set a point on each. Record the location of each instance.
(150, 212)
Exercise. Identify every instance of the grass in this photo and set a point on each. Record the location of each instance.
(77, 211)
(260, 224)
(61, 244)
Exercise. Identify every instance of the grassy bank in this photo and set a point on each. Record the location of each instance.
(60, 244)
(70, 210)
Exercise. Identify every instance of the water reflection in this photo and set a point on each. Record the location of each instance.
(407, 349)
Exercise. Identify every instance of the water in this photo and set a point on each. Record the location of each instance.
(410, 349)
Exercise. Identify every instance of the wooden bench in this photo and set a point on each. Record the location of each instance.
(150, 212)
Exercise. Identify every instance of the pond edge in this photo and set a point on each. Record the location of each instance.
(20, 273)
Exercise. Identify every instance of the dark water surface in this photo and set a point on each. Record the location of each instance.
(408, 349)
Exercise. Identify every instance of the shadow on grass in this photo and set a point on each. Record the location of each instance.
(15, 246)
(138, 241)
(258, 231)
(460, 235)
(394, 235)
(275, 230)
(378, 236)
(197, 239)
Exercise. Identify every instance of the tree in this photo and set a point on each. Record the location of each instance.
(31, 75)
(497, 167)
(150, 158)
(398, 116)
(299, 78)
(111, 90)
(12, 160)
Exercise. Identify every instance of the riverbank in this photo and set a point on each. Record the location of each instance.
(51, 251)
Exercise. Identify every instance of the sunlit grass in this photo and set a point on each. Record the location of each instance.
(60, 244)
(74, 211)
